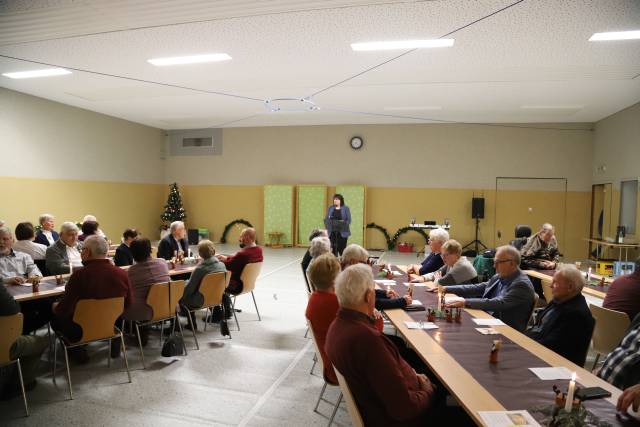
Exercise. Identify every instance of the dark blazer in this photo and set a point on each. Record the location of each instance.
(565, 328)
(346, 216)
(513, 306)
(41, 238)
(168, 246)
(123, 256)
(431, 263)
(57, 261)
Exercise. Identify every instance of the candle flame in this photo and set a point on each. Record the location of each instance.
(573, 376)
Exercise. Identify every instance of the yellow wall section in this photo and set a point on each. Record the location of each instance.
(116, 205)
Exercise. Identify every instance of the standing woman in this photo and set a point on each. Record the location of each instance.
(338, 233)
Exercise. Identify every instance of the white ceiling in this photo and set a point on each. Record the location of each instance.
(533, 54)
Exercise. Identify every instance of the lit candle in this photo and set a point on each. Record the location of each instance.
(589, 274)
(572, 389)
(439, 301)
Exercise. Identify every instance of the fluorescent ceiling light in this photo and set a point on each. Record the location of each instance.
(37, 73)
(402, 44)
(194, 59)
(615, 35)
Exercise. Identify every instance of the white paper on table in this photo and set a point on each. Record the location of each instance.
(396, 273)
(487, 331)
(488, 322)
(385, 282)
(416, 325)
(415, 285)
(559, 373)
(508, 418)
(415, 303)
(29, 284)
(449, 298)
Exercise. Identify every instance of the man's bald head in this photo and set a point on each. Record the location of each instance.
(248, 236)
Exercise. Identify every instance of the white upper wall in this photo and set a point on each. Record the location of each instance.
(617, 147)
(46, 139)
(436, 156)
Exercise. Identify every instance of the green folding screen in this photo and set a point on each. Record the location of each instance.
(354, 197)
(278, 212)
(312, 205)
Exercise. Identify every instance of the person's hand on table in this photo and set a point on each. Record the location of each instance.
(630, 396)
(376, 314)
(392, 294)
(548, 265)
(413, 268)
(416, 278)
(455, 304)
(408, 299)
(424, 383)
(442, 289)
(34, 279)
(17, 280)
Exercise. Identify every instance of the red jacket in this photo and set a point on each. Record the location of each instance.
(235, 264)
(321, 311)
(624, 295)
(99, 279)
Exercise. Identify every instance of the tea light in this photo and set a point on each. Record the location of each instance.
(572, 390)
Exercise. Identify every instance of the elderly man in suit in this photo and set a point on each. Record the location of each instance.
(64, 254)
(175, 243)
(508, 295)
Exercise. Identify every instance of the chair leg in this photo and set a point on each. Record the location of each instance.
(55, 359)
(24, 394)
(184, 345)
(124, 352)
(306, 334)
(191, 323)
(109, 355)
(206, 317)
(256, 305)
(233, 310)
(324, 387)
(140, 345)
(335, 409)
(161, 332)
(66, 360)
(315, 360)
(595, 362)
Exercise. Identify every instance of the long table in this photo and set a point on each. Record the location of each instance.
(592, 288)
(49, 287)
(458, 355)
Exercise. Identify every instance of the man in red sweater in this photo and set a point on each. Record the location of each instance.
(624, 293)
(387, 391)
(98, 279)
(249, 253)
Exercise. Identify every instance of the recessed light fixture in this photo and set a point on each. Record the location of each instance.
(37, 73)
(615, 35)
(402, 44)
(193, 59)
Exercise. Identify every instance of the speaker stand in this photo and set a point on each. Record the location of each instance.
(476, 242)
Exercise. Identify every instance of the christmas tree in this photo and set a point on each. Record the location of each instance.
(173, 210)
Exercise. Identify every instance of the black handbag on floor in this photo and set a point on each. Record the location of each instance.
(174, 344)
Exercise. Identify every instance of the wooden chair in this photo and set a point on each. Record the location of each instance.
(306, 279)
(97, 319)
(11, 327)
(609, 330)
(249, 276)
(212, 289)
(533, 308)
(163, 308)
(546, 290)
(318, 358)
(352, 407)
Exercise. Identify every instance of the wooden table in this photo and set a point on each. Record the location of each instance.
(547, 277)
(471, 395)
(619, 246)
(17, 291)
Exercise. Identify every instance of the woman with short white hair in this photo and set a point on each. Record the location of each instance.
(46, 235)
(456, 270)
(319, 245)
(433, 261)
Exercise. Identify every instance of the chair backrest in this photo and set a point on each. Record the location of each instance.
(154, 252)
(212, 287)
(306, 279)
(11, 327)
(352, 408)
(533, 308)
(522, 231)
(158, 299)
(97, 317)
(518, 243)
(610, 328)
(546, 290)
(249, 275)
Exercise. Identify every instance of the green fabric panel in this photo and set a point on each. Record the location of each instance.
(311, 210)
(278, 212)
(354, 198)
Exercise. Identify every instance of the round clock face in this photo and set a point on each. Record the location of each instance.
(356, 143)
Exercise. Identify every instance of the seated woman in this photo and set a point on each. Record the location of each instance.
(145, 272)
(319, 245)
(123, 253)
(433, 261)
(541, 250)
(456, 270)
(210, 264)
(25, 234)
(89, 228)
(306, 259)
(46, 235)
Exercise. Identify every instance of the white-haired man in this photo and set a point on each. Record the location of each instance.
(64, 254)
(174, 243)
(15, 267)
(387, 391)
(433, 261)
(565, 325)
(541, 250)
(508, 295)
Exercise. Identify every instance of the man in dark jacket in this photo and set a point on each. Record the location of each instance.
(175, 243)
(565, 325)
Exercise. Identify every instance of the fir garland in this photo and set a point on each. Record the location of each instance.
(403, 230)
(383, 230)
(223, 239)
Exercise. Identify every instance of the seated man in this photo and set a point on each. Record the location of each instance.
(387, 391)
(64, 254)
(175, 243)
(565, 325)
(385, 300)
(541, 250)
(434, 260)
(92, 218)
(624, 293)
(28, 348)
(24, 236)
(306, 259)
(123, 253)
(508, 295)
(249, 253)
(88, 228)
(192, 297)
(456, 269)
(323, 305)
(47, 235)
(99, 279)
(622, 366)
